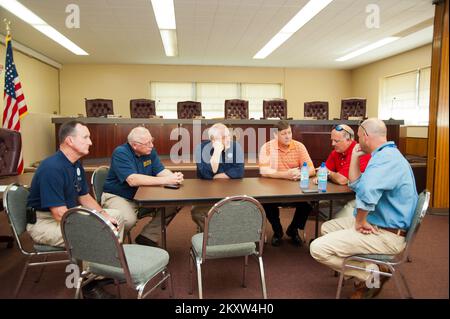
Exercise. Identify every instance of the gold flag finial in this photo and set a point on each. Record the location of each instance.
(7, 25)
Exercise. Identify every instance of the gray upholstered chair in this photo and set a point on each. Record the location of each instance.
(92, 239)
(98, 181)
(236, 109)
(235, 227)
(99, 107)
(15, 203)
(391, 261)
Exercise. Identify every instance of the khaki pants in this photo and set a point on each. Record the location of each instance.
(128, 211)
(340, 239)
(347, 210)
(47, 231)
(198, 214)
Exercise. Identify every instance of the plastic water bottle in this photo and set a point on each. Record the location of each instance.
(322, 177)
(304, 176)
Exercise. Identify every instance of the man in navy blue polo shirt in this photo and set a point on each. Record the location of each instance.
(60, 184)
(218, 158)
(133, 164)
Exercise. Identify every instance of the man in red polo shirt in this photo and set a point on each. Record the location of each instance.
(338, 162)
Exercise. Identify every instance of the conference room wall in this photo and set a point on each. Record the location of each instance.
(366, 80)
(124, 82)
(40, 84)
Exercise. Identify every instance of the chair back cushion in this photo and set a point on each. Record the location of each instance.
(317, 109)
(189, 109)
(234, 220)
(98, 181)
(15, 200)
(10, 147)
(236, 109)
(89, 237)
(276, 108)
(142, 108)
(353, 108)
(99, 107)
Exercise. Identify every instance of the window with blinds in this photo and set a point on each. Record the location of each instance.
(212, 96)
(167, 94)
(406, 96)
(256, 93)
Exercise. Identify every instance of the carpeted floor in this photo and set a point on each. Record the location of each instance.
(290, 271)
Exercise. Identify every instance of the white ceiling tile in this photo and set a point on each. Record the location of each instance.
(223, 32)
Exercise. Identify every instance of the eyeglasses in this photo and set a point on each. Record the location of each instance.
(146, 144)
(340, 128)
(360, 125)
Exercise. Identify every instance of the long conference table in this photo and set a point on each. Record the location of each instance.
(265, 190)
(198, 191)
(170, 134)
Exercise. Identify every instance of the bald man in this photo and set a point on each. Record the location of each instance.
(133, 164)
(338, 162)
(218, 158)
(386, 199)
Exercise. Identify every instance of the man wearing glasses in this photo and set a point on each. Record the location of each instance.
(386, 199)
(133, 164)
(60, 184)
(338, 162)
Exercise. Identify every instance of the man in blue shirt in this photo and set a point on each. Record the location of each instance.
(135, 164)
(386, 199)
(218, 158)
(60, 184)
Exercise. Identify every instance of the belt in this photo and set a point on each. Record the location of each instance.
(397, 231)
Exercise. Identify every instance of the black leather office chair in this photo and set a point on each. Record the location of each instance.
(10, 147)
(99, 107)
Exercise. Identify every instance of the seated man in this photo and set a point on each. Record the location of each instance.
(282, 157)
(218, 158)
(60, 184)
(338, 162)
(135, 164)
(386, 199)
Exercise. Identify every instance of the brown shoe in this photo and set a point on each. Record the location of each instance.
(363, 292)
(360, 290)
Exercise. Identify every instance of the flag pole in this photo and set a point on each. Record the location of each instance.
(7, 25)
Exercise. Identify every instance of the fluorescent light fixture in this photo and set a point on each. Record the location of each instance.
(169, 39)
(309, 11)
(367, 48)
(165, 19)
(274, 43)
(164, 14)
(31, 18)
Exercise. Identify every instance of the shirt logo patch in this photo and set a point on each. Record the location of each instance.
(147, 163)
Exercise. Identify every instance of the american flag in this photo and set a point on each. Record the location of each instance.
(15, 105)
